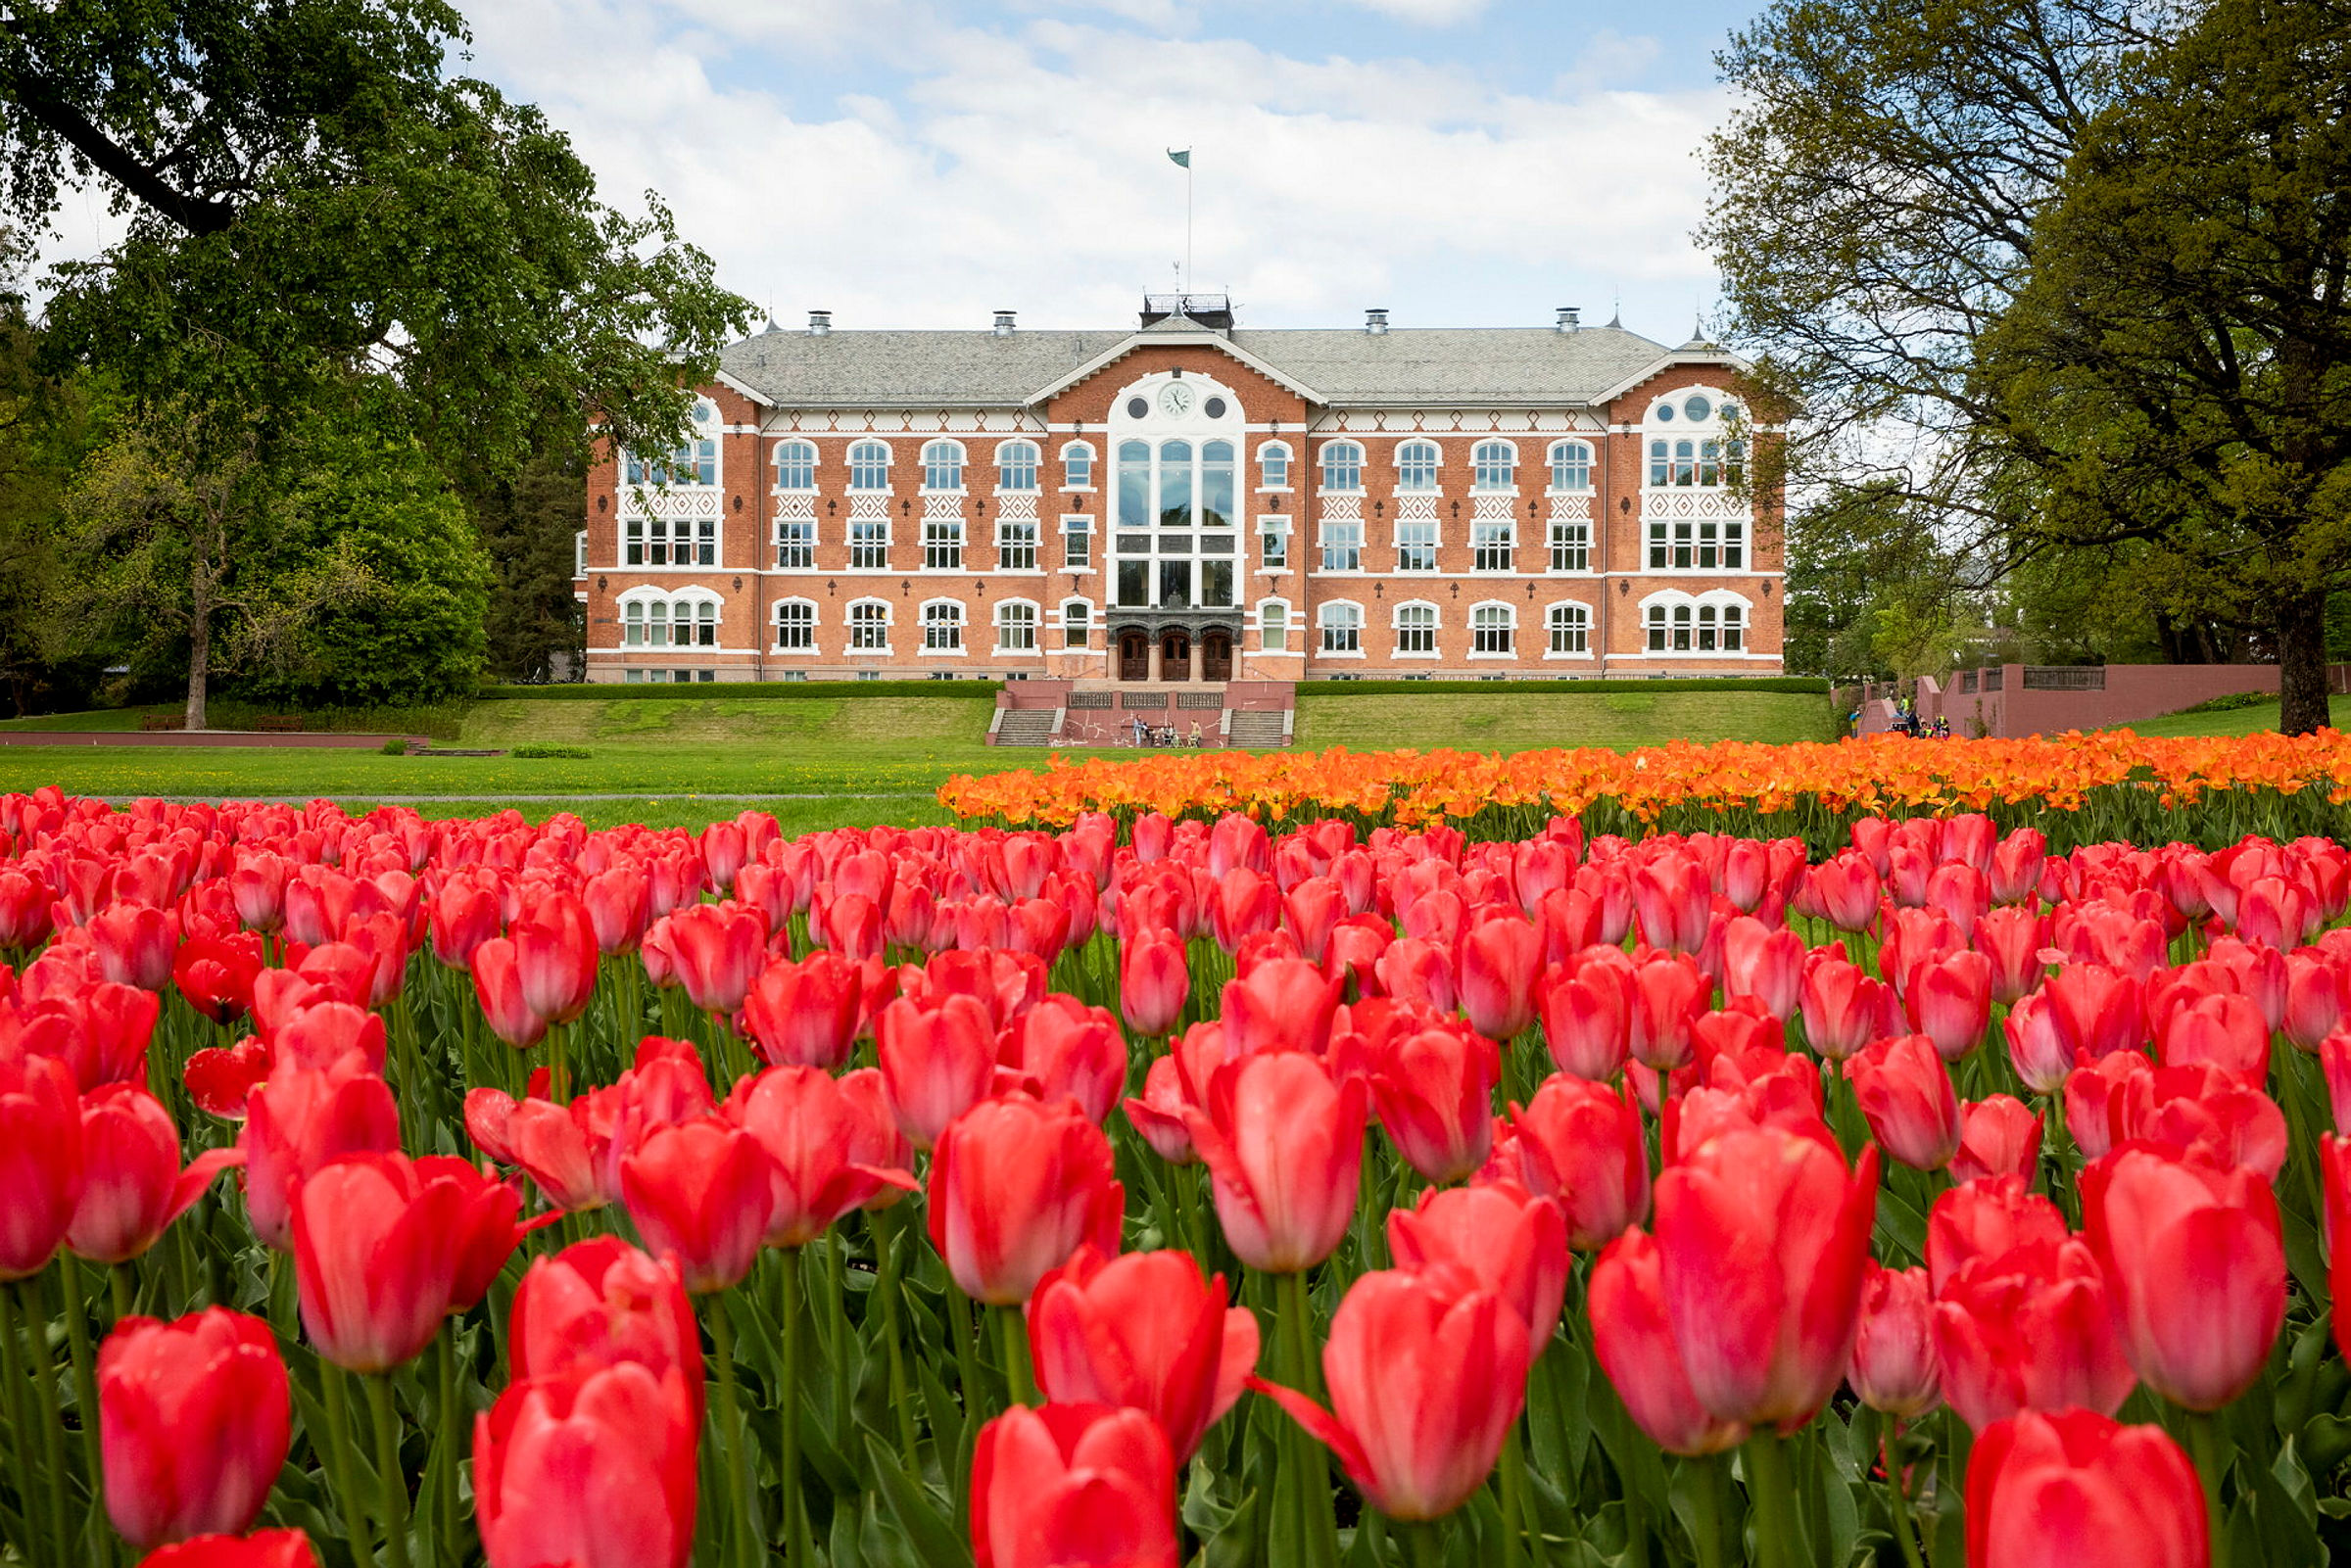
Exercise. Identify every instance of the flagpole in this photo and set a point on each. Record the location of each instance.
(1187, 223)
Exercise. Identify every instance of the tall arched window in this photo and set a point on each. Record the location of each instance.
(1016, 465)
(1076, 623)
(1016, 627)
(796, 625)
(1078, 464)
(943, 465)
(1415, 629)
(1417, 465)
(1273, 462)
(1216, 484)
(796, 466)
(1342, 627)
(943, 627)
(1174, 484)
(1494, 465)
(869, 626)
(1570, 465)
(1342, 466)
(869, 466)
(1570, 629)
(1135, 484)
(1273, 626)
(1492, 629)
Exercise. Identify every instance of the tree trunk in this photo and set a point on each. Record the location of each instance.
(200, 645)
(2302, 665)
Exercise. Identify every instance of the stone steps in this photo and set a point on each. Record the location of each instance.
(1025, 726)
(1258, 732)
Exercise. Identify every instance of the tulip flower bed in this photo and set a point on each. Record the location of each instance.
(2076, 788)
(377, 1191)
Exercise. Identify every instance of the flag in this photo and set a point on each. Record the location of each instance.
(1182, 159)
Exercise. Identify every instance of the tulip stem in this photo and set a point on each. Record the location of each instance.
(802, 1553)
(1423, 1544)
(85, 1380)
(445, 1495)
(1705, 1509)
(885, 1227)
(1517, 1510)
(1771, 1495)
(1318, 1520)
(390, 1476)
(1012, 1336)
(731, 1434)
(334, 1446)
(2212, 1463)
(23, 1423)
(1897, 1498)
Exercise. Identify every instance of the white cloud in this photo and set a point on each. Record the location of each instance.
(1428, 13)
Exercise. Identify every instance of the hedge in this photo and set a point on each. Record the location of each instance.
(705, 690)
(1808, 685)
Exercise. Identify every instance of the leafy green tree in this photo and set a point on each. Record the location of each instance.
(2176, 375)
(529, 526)
(323, 218)
(1871, 590)
(48, 424)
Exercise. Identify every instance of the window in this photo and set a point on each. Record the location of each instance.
(1417, 547)
(1174, 484)
(1077, 542)
(943, 465)
(1343, 466)
(1570, 546)
(796, 625)
(1078, 464)
(1216, 484)
(663, 623)
(1215, 584)
(1016, 628)
(706, 623)
(942, 628)
(1570, 465)
(1174, 584)
(579, 553)
(796, 466)
(1016, 545)
(1734, 460)
(663, 542)
(1416, 629)
(632, 627)
(694, 464)
(1491, 626)
(943, 543)
(1273, 460)
(869, 466)
(1670, 628)
(1673, 462)
(1135, 484)
(869, 544)
(1416, 466)
(1274, 627)
(869, 627)
(1076, 623)
(1274, 538)
(1721, 628)
(1709, 461)
(1493, 543)
(795, 544)
(1342, 629)
(1134, 584)
(1343, 546)
(1016, 466)
(1570, 629)
(1494, 465)
(1722, 546)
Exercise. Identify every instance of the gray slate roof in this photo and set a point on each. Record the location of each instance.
(1507, 365)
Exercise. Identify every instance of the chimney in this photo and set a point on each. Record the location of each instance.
(1004, 323)
(1375, 320)
(820, 322)
(1570, 317)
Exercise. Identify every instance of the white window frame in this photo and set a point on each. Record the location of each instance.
(1277, 527)
(858, 626)
(1569, 536)
(1352, 465)
(1489, 535)
(932, 463)
(1551, 458)
(1077, 543)
(1342, 534)
(1015, 534)
(882, 546)
(1267, 452)
(1417, 474)
(804, 545)
(932, 624)
(1082, 451)
(943, 543)
(1508, 631)
(795, 444)
(1673, 610)
(1480, 471)
(690, 534)
(864, 467)
(810, 626)
(1555, 622)
(1002, 620)
(1036, 466)
(1274, 618)
(1086, 623)
(1411, 609)
(1434, 537)
(1326, 626)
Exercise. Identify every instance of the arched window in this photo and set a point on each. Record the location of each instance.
(1417, 465)
(1342, 466)
(1076, 623)
(1016, 465)
(1494, 465)
(1016, 627)
(1342, 627)
(869, 626)
(1078, 464)
(1570, 465)
(796, 466)
(1685, 462)
(869, 466)
(943, 465)
(1216, 484)
(943, 627)
(1492, 628)
(796, 625)
(1273, 626)
(1273, 462)
(1415, 629)
(1174, 484)
(703, 615)
(694, 464)
(632, 625)
(1135, 484)
(1569, 627)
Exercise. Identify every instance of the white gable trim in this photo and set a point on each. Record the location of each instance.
(1176, 340)
(1664, 363)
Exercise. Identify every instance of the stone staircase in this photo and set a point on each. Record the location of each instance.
(1028, 727)
(1258, 732)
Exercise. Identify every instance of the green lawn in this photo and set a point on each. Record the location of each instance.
(1523, 721)
(2233, 721)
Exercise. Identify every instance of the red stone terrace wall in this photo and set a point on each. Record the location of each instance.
(2022, 699)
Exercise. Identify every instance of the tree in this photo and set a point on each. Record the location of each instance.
(48, 423)
(528, 527)
(1870, 590)
(323, 218)
(2176, 371)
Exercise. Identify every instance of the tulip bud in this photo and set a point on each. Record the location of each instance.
(195, 1417)
(2074, 1487)
(1893, 1367)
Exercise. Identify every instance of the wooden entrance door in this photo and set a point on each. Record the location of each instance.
(1216, 655)
(1175, 655)
(1135, 656)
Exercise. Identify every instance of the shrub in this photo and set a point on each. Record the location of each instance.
(542, 751)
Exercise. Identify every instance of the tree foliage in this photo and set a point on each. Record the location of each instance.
(529, 525)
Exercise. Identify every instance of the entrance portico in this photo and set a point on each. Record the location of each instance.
(1174, 648)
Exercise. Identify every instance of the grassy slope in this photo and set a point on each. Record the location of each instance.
(1524, 721)
(2235, 720)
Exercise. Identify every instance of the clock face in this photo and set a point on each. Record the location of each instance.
(1176, 400)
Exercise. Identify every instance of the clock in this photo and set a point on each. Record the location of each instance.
(1176, 400)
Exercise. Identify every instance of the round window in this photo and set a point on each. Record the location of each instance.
(1697, 408)
(1138, 408)
(1214, 407)
(1729, 413)
(1664, 413)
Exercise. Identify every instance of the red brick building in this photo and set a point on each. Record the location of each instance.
(1192, 500)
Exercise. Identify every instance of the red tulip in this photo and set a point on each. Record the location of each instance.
(1154, 980)
(2041, 1058)
(619, 902)
(1845, 1009)
(296, 1123)
(1157, 1114)
(215, 974)
(1146, 1332)
(1763, 962)
(1015, 1186)
(938, 1061)
(133, 1185)
(2226, 1031)
(2075, 1489)
(195, 1417)
(2196, 1259)
(568, 1150)
(1668, 995)
(600, 1303)
(323, 1033)
(1284, 1145)
(1893, 1367)
(1673, 902)
(1061, 1047)
(1904, 1092)
(1763, 1236)
(1513, 1242)
(1636, 1347)
(806, 1013)
(716, 950)
(700, 1192)
(1848, 888)
(134, 944)
(41, 1163)
(1580, 1145)
(809, 1126)
(1999, 1135)
(1588, 1016)
(219, 1078)
(2094, 1095)
(594, 1470)
(373, 1264)
(498, 988)
(1073, 1485)
(1434, 1092)
(484, 1233)
(100, 1030)
(461, 919)
(555, 954)
(2096, 1010)
(2029, 1330)
(1987, 1219)
(1286, 1005)
(24, 906)
(266, 1548)
(1499, 962)
(1427, 1374)
(2012, 938)
(1950, 1001)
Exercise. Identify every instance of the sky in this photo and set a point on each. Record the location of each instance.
(924, 162)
